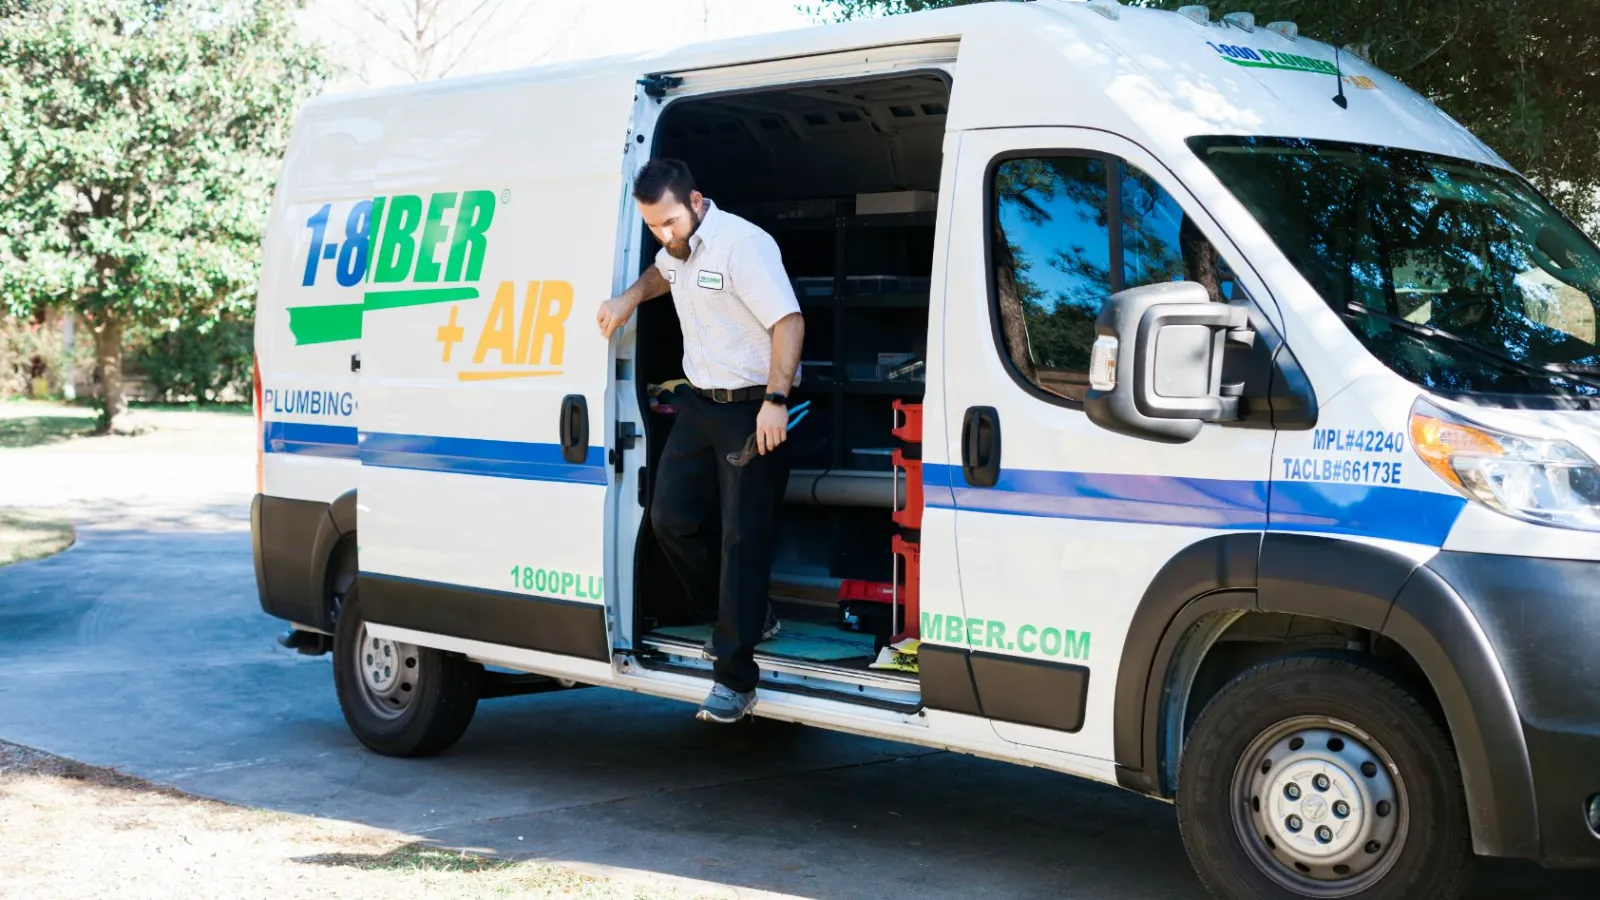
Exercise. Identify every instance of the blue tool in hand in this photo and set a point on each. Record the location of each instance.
(743, 457)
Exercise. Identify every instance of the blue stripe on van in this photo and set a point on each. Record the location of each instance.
(303, 439)
(465, 456)
(1150, 499)
(472, 456)
(1418, 517)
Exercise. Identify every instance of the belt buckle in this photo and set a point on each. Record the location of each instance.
(721, 395)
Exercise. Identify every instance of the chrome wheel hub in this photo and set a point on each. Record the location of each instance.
(1320, 807)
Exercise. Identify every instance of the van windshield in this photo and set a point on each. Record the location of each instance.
(1458, 276)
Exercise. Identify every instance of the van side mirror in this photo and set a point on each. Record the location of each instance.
(1155, 371)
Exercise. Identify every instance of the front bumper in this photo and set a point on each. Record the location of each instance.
(1542, 617)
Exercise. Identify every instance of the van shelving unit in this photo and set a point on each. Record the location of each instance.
(853, 295)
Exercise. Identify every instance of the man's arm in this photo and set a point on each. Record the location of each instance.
(772, 423)
(787, 337)
(614, 313)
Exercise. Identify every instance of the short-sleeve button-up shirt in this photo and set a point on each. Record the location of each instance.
(729, 294)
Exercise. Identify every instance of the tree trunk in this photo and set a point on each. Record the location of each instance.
(108, 364)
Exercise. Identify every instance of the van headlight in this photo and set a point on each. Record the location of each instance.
(1550, 482)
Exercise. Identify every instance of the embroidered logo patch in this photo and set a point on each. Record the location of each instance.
(711, 281)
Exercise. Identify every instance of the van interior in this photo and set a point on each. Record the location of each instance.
(844, 176)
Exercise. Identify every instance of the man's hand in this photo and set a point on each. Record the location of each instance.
(772, 427)
(614, 313)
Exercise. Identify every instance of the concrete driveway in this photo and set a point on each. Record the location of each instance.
(143, 648)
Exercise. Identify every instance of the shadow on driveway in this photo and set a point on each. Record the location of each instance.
(145, 650)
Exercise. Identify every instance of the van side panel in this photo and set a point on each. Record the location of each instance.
(484, 419)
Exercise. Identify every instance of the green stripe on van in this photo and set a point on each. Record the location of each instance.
(342, 321)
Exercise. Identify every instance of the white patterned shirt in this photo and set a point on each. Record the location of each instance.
(729, 294)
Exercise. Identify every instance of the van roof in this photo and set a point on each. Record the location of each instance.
(1153, 76)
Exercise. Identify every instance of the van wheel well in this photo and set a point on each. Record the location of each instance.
(1235, 642)
(343, 567)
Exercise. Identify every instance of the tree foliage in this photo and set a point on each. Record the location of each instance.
(1524, 75)
(139, 141)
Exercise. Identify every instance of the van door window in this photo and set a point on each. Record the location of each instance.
(1052, 247)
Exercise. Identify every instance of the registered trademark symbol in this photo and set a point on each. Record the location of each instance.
(505, 196)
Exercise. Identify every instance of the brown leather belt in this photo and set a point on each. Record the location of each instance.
(732, 395)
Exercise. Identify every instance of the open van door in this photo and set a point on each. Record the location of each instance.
(484, 485)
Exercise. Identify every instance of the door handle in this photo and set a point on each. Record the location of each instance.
(980, 446)
(574, 429)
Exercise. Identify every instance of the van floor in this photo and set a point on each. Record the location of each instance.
(803, 637)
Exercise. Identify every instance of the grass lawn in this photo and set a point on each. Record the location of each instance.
(28, 423)
(24, 536)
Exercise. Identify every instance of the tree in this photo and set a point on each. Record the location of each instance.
(139, 141)
(1524, 75)
(418, 40)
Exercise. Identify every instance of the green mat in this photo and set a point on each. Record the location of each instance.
(797, 640)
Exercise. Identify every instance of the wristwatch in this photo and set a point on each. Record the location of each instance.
(775, 397)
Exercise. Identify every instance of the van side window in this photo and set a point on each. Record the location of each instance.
(1052, 246)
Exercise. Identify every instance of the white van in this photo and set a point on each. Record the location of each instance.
(1219, 415)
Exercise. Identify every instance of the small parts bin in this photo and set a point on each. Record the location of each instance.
(908, 422)
(869, 607)
(910, 516)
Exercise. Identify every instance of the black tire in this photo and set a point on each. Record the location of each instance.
(1424, 843)
(440, 690)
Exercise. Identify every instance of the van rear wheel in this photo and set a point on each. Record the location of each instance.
(400, 699)
(1318, 777)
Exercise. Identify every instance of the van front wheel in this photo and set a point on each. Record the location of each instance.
(1317, 776)
(400, 699)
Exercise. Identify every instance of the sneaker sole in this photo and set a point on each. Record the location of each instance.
(706, 715)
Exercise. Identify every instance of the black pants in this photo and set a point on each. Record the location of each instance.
(715, 522)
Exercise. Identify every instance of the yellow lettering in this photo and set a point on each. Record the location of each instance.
(530, 309)
(499, 330)
(549, 317)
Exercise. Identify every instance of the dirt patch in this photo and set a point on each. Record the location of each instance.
(25, 535)
(75, 831)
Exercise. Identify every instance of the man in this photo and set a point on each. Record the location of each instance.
(742, 333)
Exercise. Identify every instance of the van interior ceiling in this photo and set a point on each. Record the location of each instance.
(844, 176)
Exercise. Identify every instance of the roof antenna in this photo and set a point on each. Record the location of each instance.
(1340, 99)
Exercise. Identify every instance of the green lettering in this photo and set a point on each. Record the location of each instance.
(954, 630)
(467, 242)
(1046, 638)
(1027, 639)
(433, 232)
(932, 627)
(566, 583)
(597, 587)
(373, 222)
(975, 632)
(1270, 56)
(398, 247)
(1076, 645)
(579, 583)
(996, 635)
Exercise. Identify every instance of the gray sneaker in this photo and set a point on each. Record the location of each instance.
(768, 632)
(726, 705)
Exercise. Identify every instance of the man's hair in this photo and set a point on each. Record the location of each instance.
(661, 175)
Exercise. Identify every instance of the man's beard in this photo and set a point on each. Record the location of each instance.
(679, 249)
